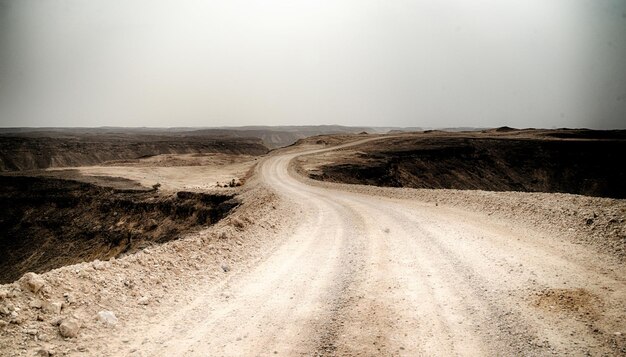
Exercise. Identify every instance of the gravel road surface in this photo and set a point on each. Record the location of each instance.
(373, 275)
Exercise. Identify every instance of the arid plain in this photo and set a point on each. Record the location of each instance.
(354, 242)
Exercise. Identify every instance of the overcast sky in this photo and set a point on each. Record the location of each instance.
(430, 63)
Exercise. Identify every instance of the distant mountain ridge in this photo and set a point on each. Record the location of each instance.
(272, 136)
(280, 136)
(40, 148)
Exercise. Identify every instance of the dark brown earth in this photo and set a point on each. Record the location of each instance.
(48, 223)
(567, 161)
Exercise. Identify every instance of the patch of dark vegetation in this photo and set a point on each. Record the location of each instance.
(48, 223)
(537, 164)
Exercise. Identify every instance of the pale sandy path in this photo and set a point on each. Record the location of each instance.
(369, 275)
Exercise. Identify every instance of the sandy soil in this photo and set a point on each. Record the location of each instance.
(325, 269)
(189, 172)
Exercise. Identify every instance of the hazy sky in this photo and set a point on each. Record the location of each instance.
(431, 63)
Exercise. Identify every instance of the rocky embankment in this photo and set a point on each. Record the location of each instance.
(69, 310)
(525, 161)
(49, 223)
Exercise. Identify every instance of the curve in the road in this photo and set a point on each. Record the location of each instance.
(370, 275)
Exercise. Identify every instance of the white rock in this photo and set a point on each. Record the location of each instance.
(43, 337)
(51, 307)
(69, 328)
(107, 317)
(33, 281)
(98, 265)
(35, 304)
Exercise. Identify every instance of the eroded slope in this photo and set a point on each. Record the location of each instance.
(48, 223)
(528, 161)
(23, 152)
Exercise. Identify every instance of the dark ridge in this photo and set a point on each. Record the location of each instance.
(586, 167)
(588, 134)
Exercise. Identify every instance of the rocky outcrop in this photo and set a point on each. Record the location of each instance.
(48, 223)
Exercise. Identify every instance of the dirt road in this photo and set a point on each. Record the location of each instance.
(370, 275)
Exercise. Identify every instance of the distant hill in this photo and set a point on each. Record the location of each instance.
(39, 148)
(279, 136)
(271, 136)
(38, 151)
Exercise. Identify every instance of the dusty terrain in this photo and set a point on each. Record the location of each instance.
(305, 267)
(195, 172)
(566, 161)
(58, 217)
(41, 150)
